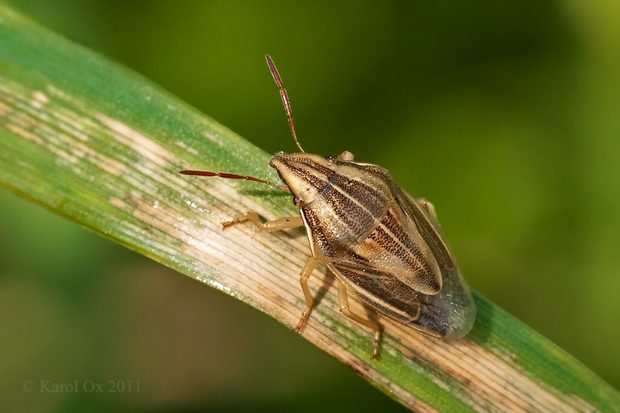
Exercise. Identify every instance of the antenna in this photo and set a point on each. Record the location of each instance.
(235, 176)
(285, 99)
(287, 108)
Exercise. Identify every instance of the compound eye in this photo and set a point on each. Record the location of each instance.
(297, 200)
(329, 158)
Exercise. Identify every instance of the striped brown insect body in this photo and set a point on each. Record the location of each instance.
(382, 245)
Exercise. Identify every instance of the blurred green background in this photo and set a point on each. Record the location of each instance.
(506, 115)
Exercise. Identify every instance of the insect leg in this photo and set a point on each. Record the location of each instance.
(429, 208)
(346, 156)
(303, 280)
(372, 324)
(269, 226)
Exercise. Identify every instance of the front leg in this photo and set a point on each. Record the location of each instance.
(269, 226)
(278, 225)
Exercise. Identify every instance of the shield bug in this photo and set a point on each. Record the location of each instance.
(383, 246)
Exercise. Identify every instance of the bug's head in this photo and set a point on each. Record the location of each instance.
(305, 174)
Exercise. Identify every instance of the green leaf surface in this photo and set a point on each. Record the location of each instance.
(102, 146)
